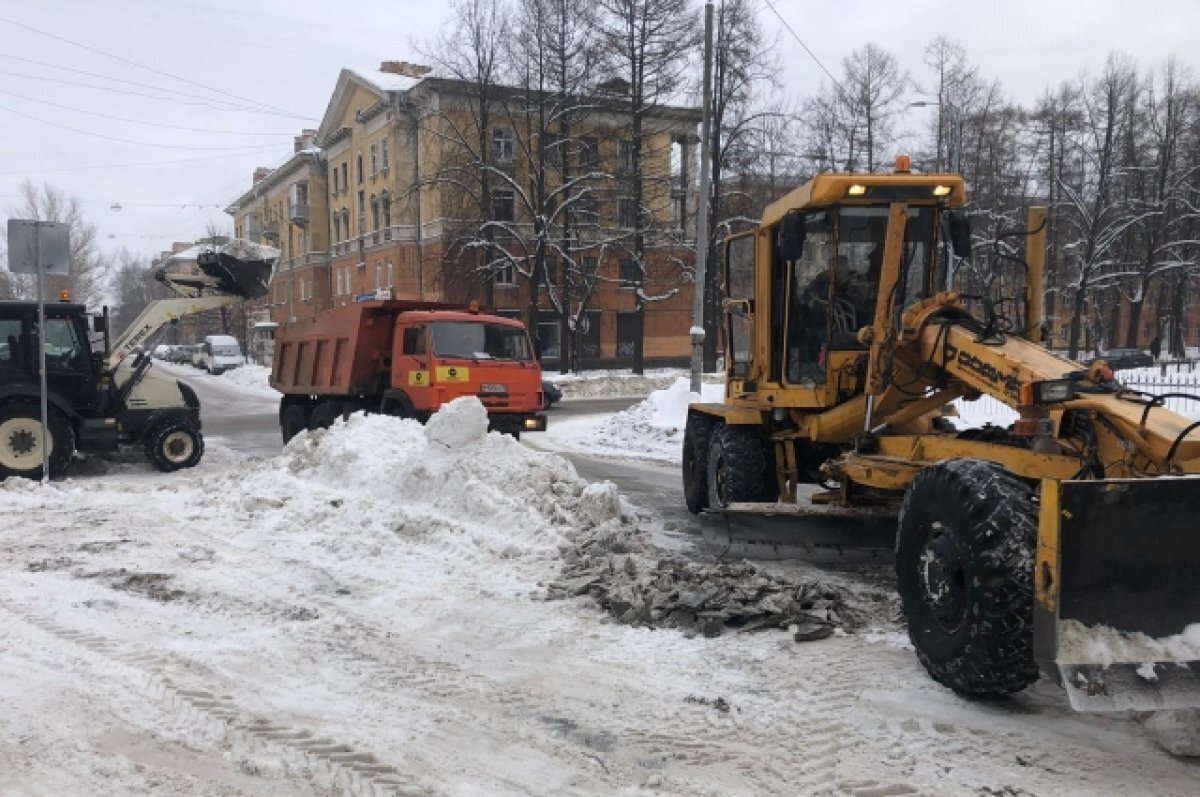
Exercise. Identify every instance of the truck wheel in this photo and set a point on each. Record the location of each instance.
(964, 566)
(20, 434)
(695, 461)
(322, 416)
(735, 465)
(174, 444)
(292, 421)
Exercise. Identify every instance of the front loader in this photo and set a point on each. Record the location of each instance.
(100, 401)
(1065, 543)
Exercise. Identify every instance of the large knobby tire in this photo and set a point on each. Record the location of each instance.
(20, 441)
(696, 436)
(174, 444)
(292, 421)
(735, 465)
(964, 566)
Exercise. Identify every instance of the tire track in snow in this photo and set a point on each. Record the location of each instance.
(206, 717)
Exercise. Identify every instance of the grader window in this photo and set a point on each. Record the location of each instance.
(739, 285)
(808, 293)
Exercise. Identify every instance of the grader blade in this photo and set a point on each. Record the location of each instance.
(1117, 592)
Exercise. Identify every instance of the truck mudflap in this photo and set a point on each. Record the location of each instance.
(1117, 592)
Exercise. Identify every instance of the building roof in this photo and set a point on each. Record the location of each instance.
(277, 173)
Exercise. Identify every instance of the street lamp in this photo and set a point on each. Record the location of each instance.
(953, 118)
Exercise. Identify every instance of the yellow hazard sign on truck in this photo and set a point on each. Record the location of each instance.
(453, 373)
(418, 379)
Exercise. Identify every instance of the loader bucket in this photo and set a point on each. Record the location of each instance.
(1117, 592)
(245, 278)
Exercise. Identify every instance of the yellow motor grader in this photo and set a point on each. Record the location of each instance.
(1069, 540)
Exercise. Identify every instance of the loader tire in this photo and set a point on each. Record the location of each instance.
(20, 431)
(964, 567)
(292, 421)
(696, 436)
(735, 465)
(174, 444)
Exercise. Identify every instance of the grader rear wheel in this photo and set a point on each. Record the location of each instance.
(964, 566)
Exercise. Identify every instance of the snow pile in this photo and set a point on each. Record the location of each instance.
(1083, 644)
(613, 562)
(253, 378)
(650, 429)
(1177, 732)
(591, 384)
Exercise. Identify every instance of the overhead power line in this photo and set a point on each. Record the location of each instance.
(222, 105)
(139, 121)
(811, 54)
(100, 167)
(142, 66)
(129, 141)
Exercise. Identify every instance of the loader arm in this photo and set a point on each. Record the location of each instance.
(157, 315)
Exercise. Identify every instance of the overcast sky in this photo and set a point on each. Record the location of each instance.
(178, 153)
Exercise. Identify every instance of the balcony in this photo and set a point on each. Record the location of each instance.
(298, 213)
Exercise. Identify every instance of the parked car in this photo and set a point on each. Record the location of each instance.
(196, 357)
(551, 394)
(163, 351)
(220, 353)
(1121, 359)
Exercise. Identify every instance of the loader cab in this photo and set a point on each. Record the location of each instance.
(71, 371)
(801, 288)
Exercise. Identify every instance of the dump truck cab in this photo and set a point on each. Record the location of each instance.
(408, 359)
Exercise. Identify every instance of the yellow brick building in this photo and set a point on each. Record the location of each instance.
(388, 210)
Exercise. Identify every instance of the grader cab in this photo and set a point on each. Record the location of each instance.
(1066, 540)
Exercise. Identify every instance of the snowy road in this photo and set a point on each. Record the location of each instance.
(366, 614)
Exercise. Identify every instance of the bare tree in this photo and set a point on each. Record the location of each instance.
(89, 269)
(647, 43)
(874, 89)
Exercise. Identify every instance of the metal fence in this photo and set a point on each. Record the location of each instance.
(1165, 378)
(1164, 382)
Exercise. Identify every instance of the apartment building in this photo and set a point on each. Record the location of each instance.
(391, 213)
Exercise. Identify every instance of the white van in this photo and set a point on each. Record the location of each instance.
(219, 353)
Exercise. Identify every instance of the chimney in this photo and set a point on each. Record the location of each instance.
(261, 173)
(305, 140)
(405, 69)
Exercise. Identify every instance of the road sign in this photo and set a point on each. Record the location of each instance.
(30, 241)
(41, 248)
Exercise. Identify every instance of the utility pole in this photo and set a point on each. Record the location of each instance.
(698, 283)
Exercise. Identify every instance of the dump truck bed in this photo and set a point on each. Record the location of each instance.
(340, 353)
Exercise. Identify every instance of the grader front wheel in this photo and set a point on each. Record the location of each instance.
(964, 566)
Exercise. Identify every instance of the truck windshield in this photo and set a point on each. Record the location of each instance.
(480, 341)
(227, 351)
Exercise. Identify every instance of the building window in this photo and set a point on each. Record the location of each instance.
(378, 274)
(374, 212)
(627, 213)
(390, 274)
(548, 339)
(386, 203)
(337, 228)
(383, 152)
(586, 209)
(502, 145)
(358, 168)
(552, 149)
(551, 266)
(506, 275)
(502, 205)
(589, 153)
(628, 272)
(345, 176)
(625, 164)
(374, 161)
(335, 180)
(362, 212)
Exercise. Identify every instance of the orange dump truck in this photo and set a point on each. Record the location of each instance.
(406, 359)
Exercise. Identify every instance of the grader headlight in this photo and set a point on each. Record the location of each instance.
(1050, 391)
